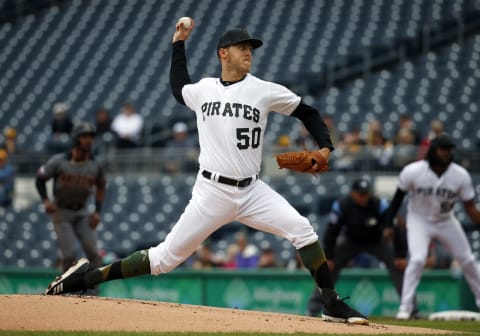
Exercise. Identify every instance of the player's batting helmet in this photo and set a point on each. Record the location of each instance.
(82, 128)
(442, 140)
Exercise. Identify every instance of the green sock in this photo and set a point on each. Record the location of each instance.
(136, 264)
(315, 261)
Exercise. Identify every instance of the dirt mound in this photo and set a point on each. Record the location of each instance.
(39, 312)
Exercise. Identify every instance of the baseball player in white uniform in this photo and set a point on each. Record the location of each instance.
(231, 113)
(434, 185)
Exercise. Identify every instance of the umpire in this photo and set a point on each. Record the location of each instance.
(360, 217)
(75, 175)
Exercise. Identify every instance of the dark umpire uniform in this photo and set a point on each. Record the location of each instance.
(75, 175)
(360, 217)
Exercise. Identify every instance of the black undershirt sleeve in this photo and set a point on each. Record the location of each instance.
(41, 185)
(395, 205)
(178, 71)
(315, 125)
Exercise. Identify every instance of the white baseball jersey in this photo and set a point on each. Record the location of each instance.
(232, 119)
(432, 196)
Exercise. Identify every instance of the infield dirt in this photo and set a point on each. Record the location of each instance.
(43, 313)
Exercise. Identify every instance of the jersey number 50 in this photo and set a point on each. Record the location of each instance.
(247, 138)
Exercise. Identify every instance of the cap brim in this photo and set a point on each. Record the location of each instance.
(361, 190)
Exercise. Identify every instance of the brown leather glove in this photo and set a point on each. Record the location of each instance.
(304, 162)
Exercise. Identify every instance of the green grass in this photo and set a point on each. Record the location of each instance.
(463, 328)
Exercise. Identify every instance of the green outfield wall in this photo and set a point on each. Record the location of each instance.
(370, 291)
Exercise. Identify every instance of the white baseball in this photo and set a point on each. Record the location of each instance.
(187, 22)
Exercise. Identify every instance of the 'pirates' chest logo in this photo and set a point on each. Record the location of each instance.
(231, 110)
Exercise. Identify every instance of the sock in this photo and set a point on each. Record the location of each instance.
(314, 260)
(134, 265)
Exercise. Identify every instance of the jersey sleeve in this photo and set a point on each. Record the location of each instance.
(48, 170)
(467, 191)
(405, 178)
(189, 95)
(282, 99)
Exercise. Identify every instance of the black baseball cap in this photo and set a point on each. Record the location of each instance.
(443, 140)
(237, 35)
(361, 186)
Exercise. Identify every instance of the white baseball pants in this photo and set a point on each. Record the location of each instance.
(213, 205)
(420, 232)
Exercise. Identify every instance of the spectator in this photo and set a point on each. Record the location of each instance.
(10, 143)
(405, 122)
(267, 258)
(380, 150)
(61, 127)
(404, 150)
(7, 179)
(347, 153)
(247, 255)
(357, 224)
(181, 152)
(374, 128)
(103, 125)
(436, 128)
(205, 257)
(230, 261)
(103, 121)
(128, 126)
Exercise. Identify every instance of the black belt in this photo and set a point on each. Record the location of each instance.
(71, 206)
(225, 180)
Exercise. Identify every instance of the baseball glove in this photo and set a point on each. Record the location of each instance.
(303, 162)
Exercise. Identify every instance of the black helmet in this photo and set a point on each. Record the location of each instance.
(82, 128)
(361, 186)
(442, 140)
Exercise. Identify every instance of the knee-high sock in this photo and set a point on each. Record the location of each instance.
(134, 265)
(314, 260)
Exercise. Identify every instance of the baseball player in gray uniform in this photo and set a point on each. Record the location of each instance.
(231, 113)
(434, 185)
(75, 176)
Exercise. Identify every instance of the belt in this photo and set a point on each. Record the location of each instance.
(71, 206)
(225, 180)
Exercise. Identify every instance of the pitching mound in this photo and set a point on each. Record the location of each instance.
(39, 312)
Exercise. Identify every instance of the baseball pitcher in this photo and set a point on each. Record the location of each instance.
(231, 113)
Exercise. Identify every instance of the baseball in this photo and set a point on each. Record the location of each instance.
(187, 22)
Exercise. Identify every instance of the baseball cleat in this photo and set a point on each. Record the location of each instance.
(404, 315)
(71, 280)
(340, 312)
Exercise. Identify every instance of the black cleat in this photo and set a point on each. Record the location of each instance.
(339, 311)
(71, 280)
